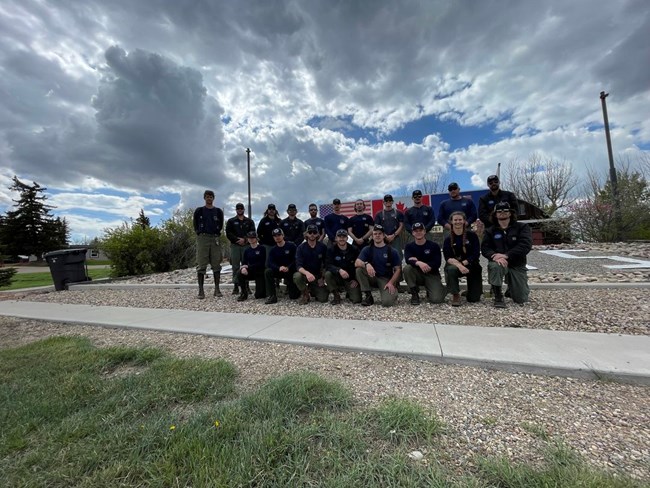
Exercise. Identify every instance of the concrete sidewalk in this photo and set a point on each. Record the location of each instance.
(578, 354)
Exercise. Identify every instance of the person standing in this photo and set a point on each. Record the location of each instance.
(315, 220)
(378, 265)
(423, 259)
(462, 250)
(208, 224)
(506, 245)
(252, 268)
(334, 222)
(267, 224)
(237, 228)
(281, 265)
(360, 225)
(419, 212)
(456, 203)
(391, 221)
(487, 202)
(310, 267)
(292, 226)
(340, 271)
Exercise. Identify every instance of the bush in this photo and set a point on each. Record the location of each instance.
(134, 250)
(6, 274)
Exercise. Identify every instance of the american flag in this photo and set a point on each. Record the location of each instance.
(347, 208)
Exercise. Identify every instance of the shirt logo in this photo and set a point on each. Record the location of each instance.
(286, 252)
(427, 251)
(498, 236)
(385, 255)
(337, 258)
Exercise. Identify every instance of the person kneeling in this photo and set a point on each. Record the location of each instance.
(310, 264)
(252, 268)
(341, 273)
(423, 266)
(378, 265)
(462, 252)
(505, 245)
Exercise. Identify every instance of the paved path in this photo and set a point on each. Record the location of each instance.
(580, 354)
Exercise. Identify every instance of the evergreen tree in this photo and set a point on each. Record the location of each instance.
(30, 228)
(142, 220)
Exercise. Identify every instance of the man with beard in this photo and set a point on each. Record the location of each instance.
(378, 265)
(315, 220)
(292, 226)
(422, 267)
(487, 202)
(310, 268)
(237, 229)
(208, 223)
(360, 225)
(341, 273)
(281, 266)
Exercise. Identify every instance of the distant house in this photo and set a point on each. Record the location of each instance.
(92, 253)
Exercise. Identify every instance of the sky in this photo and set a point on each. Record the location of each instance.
(116, 106)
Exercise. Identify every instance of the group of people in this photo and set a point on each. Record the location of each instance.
(337, 255)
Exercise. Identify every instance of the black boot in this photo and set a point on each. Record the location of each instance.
(201, 278)
(217, 279)
(367, 299)
(243, 296)
(271, 299)
(499, 302)
(415, 296)
(235, 289)
(336, 300)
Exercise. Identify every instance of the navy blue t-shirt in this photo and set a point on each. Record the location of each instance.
(429, 253)
(312, 259)
(255, 259)
(333, 223)
(360, 224)
(383, 259)
(283, 256)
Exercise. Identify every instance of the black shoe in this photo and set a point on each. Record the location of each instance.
(235, 290)
(337, 298)
(499, 303)
(271, 299)
(507, 293)
(243, 297)
(367, 300)
(415, 296)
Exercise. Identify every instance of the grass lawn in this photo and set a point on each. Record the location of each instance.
(76, 415)
(30, 280)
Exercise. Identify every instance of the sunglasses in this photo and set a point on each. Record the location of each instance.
(503, 211)
(312, 232)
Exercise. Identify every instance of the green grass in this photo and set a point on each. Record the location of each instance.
(31, 280)
(76, 415)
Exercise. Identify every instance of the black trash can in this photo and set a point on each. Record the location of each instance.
(67, 266)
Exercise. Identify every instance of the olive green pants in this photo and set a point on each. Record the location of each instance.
(515, 278)
(431, 282)
(208, 251)
(336, 283)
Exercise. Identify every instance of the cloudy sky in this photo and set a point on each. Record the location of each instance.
(118, 105)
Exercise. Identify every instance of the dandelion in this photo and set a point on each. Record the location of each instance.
(217, 424)
(172, 427)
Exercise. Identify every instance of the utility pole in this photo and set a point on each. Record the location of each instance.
(248, 160)
(612, 170)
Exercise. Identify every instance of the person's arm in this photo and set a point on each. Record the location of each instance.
(400, 219)
(408, 216)
(471, 212)
(196, 219)
(442, 215)
(484, 211)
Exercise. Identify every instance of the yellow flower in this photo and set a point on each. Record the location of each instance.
(217, 423)
(173, 427)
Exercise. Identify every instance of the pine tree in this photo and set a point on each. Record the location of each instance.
(31, 228)
(142, 220)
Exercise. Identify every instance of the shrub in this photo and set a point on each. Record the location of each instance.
(6, 274)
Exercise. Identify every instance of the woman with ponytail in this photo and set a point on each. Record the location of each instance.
(462, 251)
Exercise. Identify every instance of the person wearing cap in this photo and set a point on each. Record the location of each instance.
(310, 267)
(418, 212)
(456, 203)
(252, 268)
(462, 251)
(237, 228)
(315, 220)
(334, 222)
(281, 265)
(423, 259)
(292, 226)
(267, 224)
(380, 266)
(208, 224)
(340, 271)
(392, 222)
(506, 244)
(360, 225)
(487, 202)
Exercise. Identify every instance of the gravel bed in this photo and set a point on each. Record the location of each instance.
(585, 310)
(485, 412)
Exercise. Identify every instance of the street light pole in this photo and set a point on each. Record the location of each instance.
(612, 170)
(248, 160)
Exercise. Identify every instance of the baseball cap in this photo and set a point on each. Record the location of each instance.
(493, 178)
(341, 232)
(417, 193)
(453, 186)
(312, 228)
(417, 226)
(378, 227)
(277, 232)
(292, 206)
(336, 201)
(251, 234)
(239, 205)
(502, 206)
(388, 198)
(271, 206)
